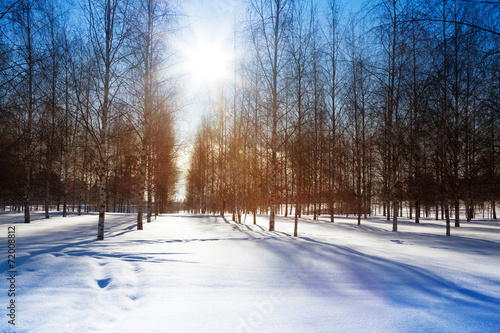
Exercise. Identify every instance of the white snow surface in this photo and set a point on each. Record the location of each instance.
(189, 273)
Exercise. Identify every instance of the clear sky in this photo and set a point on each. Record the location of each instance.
(204, 44)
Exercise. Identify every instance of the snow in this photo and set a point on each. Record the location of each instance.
(188, 273)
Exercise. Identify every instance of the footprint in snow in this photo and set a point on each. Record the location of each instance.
(103, 283)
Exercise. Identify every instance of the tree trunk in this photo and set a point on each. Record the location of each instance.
(447, 216)
(47, 193)
(493, 209)
(102, 200)
(417, 211)
(395, 216)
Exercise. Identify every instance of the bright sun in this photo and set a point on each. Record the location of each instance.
(207, 62)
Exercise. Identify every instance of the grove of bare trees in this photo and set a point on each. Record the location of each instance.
(86, 107)
(391, 110)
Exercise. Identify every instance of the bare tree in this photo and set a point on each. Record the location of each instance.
(108, 29)
(269, 26)
(26, 22)
(332, 37)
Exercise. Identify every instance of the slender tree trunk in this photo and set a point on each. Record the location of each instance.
(102, 197)
(417, 211)
(103, 154)
(447, 216)
(47, 193)
(140, 196)
(29, 125)
(493, 209)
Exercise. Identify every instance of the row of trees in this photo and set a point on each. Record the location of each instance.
(395, 106)
(87, 106)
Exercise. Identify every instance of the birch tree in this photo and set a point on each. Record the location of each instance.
(108, 30)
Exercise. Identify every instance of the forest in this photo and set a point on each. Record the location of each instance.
(392, 110)
(225, 123)
(87, 106)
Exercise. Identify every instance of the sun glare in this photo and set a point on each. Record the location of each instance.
(207, 63)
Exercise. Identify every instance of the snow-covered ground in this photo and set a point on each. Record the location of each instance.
(186, 273)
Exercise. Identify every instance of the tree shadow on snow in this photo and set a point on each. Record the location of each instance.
(328, 270)
(402, 285)
(65, 234)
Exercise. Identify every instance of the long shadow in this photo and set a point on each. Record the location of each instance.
(22, 259)
(127, 230)
(460, 243)
(471, 228)
(364, 227)
(474, 225)
(67, 235)
(403, 285)
(424, 280)
(79, 240)
(406, 285)
(194, 216)
(128, 257)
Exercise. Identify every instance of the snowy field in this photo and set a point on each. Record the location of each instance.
(187, 273)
